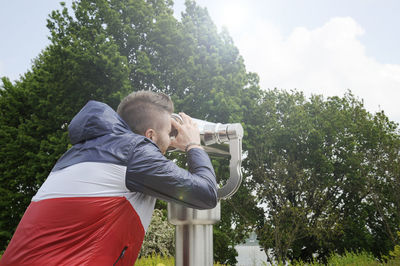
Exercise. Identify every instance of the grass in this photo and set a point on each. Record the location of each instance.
(157, 260)
(350, 259)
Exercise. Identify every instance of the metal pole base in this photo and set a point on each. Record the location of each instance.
(193, 234)
(194, 245)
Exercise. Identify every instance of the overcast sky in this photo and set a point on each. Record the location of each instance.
(316, 46)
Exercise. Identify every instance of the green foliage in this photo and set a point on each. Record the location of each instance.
(103, 51)
(351, 258)
(80, 64)
(159, 238)
(223, 249)
(327, 172)
(395, 253)
(348, 258)
(155, 260)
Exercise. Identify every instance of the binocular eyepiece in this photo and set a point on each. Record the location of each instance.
(214, 137)
(221, 140)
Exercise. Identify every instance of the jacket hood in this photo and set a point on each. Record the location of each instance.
(95, 119)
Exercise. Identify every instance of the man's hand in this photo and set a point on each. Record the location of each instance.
(188, 133)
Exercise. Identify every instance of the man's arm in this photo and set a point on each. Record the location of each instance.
(151, 173)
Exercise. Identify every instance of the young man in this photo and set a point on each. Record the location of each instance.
(97, 202)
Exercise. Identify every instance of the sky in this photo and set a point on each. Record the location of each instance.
(316, 46)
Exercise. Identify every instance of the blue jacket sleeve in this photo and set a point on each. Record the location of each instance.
(149, 172)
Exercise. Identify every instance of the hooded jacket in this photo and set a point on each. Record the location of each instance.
(97, 202)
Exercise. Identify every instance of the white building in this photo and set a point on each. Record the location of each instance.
(250, 254)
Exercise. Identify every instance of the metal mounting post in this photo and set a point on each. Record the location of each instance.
(194, 228)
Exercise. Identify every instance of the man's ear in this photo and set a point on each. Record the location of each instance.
(149, 133)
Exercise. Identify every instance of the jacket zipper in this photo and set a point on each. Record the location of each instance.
(121, 255)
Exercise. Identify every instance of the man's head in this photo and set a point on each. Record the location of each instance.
(149, 114)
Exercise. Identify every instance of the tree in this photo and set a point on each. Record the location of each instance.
(82, 63)
(323, 169)
(215, 86)
(103, 51)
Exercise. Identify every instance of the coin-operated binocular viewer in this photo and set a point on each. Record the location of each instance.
(194, 228)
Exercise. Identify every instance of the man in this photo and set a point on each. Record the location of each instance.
(97, 202)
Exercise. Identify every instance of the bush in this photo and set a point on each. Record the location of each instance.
(349, 258)
(395, 254)
(155, 260)
(159, 237)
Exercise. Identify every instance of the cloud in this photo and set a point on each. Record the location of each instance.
(326, 60)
